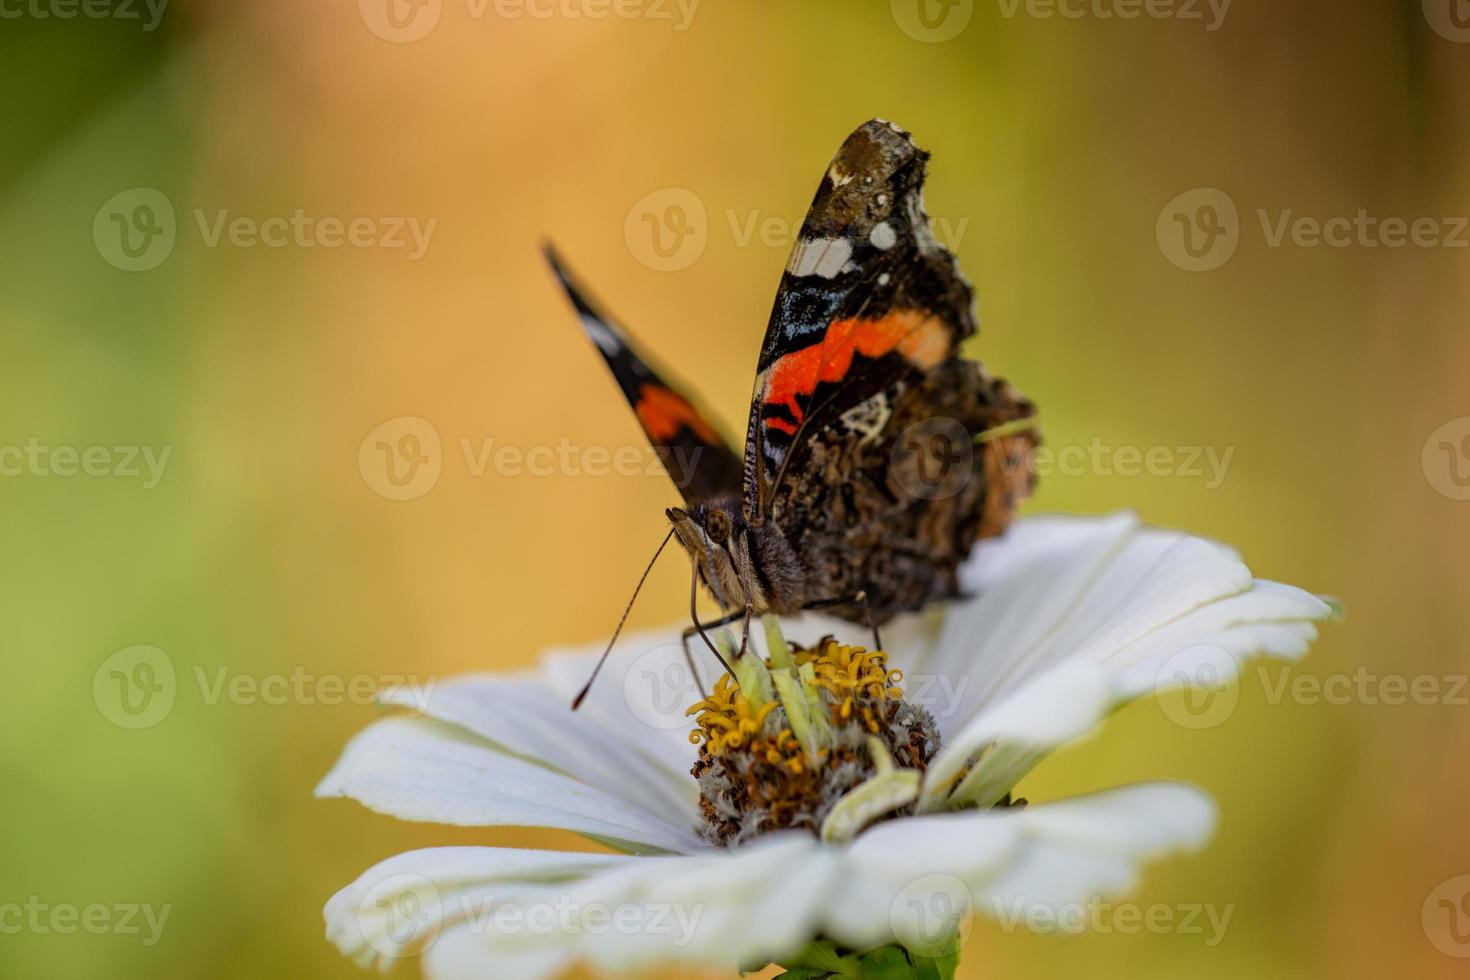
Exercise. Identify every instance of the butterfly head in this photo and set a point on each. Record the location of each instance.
(717, 538)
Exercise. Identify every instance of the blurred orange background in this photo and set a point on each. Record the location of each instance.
(1329, 374)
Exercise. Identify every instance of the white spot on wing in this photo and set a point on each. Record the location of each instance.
(868, 418)
(601, 335)
(883, 236)
(838, 176)
(823, 257)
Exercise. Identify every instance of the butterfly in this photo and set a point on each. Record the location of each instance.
(875, 454)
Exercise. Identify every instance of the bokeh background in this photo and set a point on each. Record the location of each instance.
(1333, 376)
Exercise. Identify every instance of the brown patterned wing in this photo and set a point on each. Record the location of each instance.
(869, 299)
(878, 450)
(890, 500)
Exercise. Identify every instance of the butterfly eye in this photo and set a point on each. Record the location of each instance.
(717, 526)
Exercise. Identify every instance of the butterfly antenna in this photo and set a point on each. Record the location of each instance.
(582, 694)
(991, 438)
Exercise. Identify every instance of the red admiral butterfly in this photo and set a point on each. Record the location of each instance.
(845, 497)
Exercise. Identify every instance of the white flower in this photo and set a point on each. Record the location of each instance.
(1070, 618)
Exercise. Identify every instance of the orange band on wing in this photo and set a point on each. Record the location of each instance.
(663, 413)
(920, 337)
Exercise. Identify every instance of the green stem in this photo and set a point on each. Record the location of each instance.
(821, 960)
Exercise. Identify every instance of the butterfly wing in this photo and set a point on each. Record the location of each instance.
(862, 347)
(868, 298)
(698, 460)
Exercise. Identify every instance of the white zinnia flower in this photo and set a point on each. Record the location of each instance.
(1070, 617)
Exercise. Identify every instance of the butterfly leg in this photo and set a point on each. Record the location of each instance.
(858, 598)
(698, 630)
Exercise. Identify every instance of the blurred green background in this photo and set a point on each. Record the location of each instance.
(1334, 376)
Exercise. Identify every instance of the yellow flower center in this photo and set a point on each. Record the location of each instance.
(781, 746)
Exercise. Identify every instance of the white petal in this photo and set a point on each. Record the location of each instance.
(419, 769)
(1078, 615)
(717, 910)
(1105, 581)
(642, 694)
(1003, 862)
(526, 718)
(399, 906)
(1025, 585)
(460, 953)
(1091, 845)
(476, 912)
(1055, 708)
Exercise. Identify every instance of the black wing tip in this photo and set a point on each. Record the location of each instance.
(568, 283)
(553, 258)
